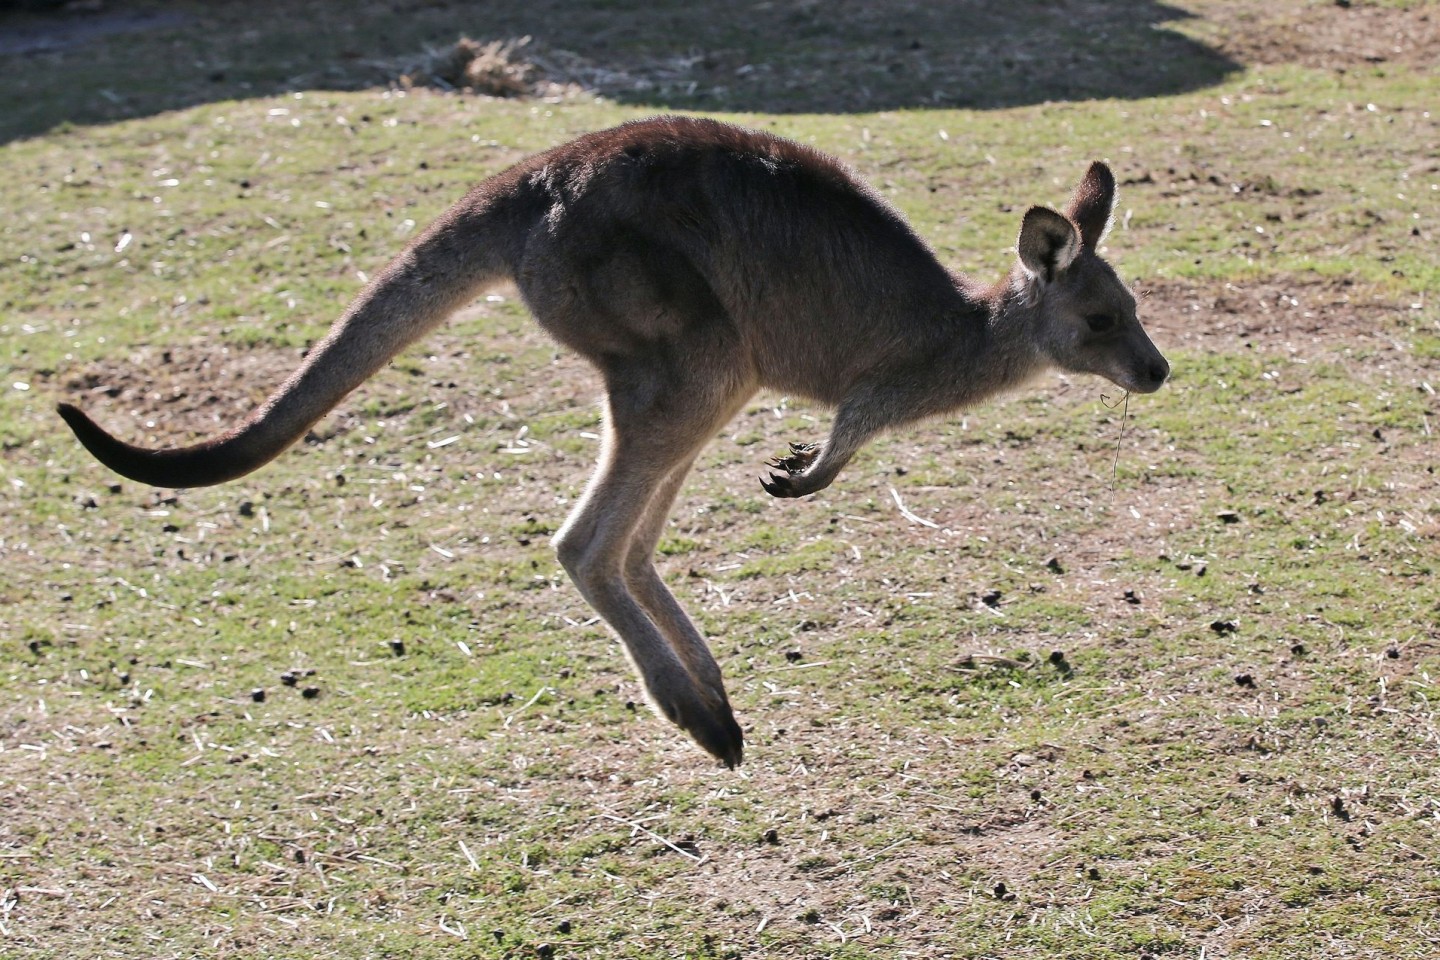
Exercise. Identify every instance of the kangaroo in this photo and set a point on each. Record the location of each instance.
(693, 263)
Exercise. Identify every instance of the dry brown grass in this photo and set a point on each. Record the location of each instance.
(495, 68)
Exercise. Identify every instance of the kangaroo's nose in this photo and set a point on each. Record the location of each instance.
(1151, 376)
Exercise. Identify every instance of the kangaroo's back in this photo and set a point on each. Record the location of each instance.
(683, 218)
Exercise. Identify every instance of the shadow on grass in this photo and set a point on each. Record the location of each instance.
(133, 58)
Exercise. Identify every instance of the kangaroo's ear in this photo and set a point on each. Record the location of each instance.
(1093, 204)
(1048, 243)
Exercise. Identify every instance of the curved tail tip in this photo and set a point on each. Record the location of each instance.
(87, 431)
(109, 451)
(74, 417)
(201, 465)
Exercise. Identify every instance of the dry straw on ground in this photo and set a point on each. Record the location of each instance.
(512, 68)
(521, 68)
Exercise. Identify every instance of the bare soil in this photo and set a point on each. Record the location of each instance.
(1328, 35)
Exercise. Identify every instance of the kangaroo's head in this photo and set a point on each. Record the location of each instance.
(1083, 316)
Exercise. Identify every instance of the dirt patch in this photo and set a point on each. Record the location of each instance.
(1289, 314)
(175, 391)
(1331, 36)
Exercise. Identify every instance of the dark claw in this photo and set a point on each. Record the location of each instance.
(779, 485)
(716, 731)
(708, 719)
(722, 738)
(801, 456)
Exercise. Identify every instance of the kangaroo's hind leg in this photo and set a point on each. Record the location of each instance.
(657, 599)
(654, 428)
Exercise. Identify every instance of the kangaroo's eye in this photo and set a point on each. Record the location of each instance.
(1100, 322)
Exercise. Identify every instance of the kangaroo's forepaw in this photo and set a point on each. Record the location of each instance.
(789, 483)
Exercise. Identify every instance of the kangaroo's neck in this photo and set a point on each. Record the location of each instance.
(992, 347)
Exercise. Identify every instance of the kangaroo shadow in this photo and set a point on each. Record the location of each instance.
(137, 58)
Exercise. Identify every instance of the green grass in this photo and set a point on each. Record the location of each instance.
(1234, 755)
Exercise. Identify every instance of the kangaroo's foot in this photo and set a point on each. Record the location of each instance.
(710, 723)
(791, 482)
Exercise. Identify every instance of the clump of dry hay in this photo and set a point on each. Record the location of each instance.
(521, 68)
(495, 68)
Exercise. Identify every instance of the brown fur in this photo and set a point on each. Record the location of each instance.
(694, 263)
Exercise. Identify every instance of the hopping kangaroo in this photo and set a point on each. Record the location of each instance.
(693, 263)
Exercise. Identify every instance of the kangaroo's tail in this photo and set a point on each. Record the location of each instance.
(473, 246)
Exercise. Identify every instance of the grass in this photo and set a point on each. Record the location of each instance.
(1233, 753)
